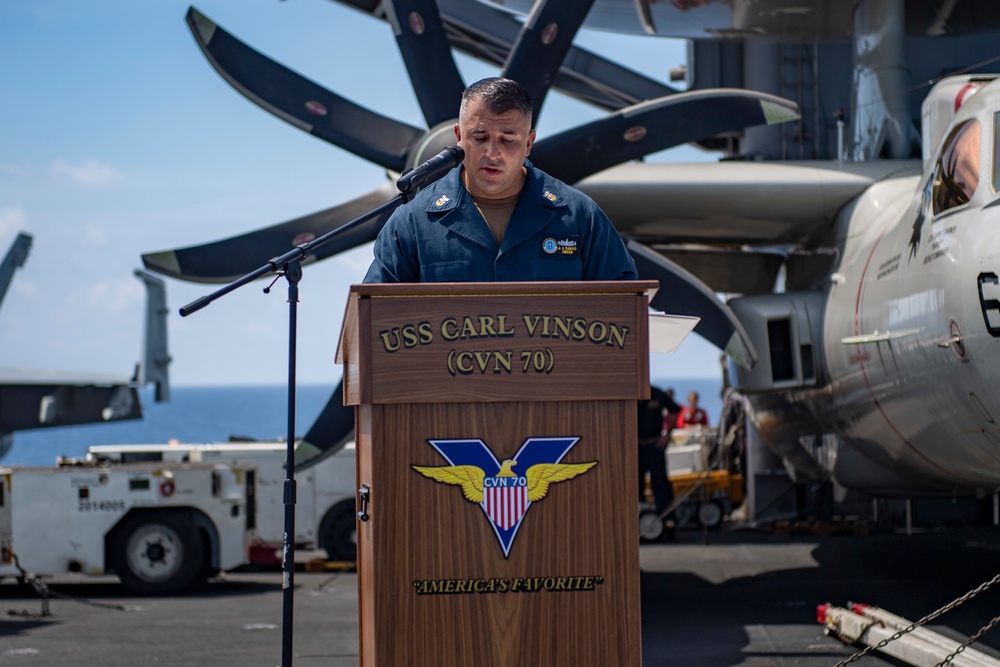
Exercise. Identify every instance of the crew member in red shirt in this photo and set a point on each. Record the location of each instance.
(692, 415)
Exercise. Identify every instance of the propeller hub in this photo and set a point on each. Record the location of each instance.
(431, 143)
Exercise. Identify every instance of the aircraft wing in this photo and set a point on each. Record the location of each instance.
(42, 398)
(733, 225)
(32, 399)
(732, 202)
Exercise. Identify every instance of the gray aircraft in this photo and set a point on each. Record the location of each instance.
(849, 221)
(43, 398)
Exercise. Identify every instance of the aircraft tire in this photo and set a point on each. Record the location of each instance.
(156, 553)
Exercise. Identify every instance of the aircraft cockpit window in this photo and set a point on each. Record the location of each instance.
(957, 171)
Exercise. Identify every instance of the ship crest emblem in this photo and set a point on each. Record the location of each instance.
(505, 490)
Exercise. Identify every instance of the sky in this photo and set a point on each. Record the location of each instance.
(118, 138)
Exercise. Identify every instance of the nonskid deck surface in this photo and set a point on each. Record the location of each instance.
(709, 598)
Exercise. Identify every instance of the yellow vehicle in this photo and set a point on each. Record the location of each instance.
(706, 496)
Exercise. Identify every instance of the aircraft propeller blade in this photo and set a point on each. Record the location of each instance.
(488, 33)
(334, 427)
(542, 44)
(421, 38)
(535, 59)
(301, 102)
(232, 258)
(652, 126)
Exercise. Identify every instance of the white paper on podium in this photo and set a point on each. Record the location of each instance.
(667, 332)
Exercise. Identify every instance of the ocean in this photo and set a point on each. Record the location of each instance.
(214, 414)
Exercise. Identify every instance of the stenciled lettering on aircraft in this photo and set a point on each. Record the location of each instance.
(937, 248)
(990, 305)
(889, 266)
(495, 328)
(558, 584)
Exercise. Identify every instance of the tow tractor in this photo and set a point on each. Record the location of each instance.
(325, 496)
(161, 528)
(707, 497)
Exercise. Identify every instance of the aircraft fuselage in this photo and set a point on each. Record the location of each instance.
(909, 343)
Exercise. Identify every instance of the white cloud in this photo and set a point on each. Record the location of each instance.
(13, 219)
(89, 173)
(114, 296)
(9, 169)
(25, 288)
(94, 235)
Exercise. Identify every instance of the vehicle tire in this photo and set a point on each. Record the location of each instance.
(157, 553)
(650, 527)
(683, 513)
(710, 514)
(338, 532)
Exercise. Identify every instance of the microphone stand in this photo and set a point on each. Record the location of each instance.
(289, 265)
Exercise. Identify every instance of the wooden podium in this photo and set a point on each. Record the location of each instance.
(496, 443)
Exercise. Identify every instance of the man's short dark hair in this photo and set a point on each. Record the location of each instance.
(499, 96)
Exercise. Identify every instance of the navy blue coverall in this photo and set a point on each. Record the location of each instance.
(554, 233)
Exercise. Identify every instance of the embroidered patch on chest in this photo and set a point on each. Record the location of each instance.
(567, 246)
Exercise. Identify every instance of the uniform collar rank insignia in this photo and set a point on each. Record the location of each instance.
(444, 199)
(548, 195)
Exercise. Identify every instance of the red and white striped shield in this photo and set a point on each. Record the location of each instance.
(506, 505)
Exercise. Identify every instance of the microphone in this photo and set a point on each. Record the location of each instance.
(429, 171)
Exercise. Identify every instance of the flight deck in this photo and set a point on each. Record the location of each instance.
(710, 598)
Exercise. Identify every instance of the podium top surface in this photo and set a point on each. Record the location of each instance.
(487, 342)
(576, 287)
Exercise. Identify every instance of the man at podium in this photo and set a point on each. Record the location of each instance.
(517, 398)
(495, 217)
